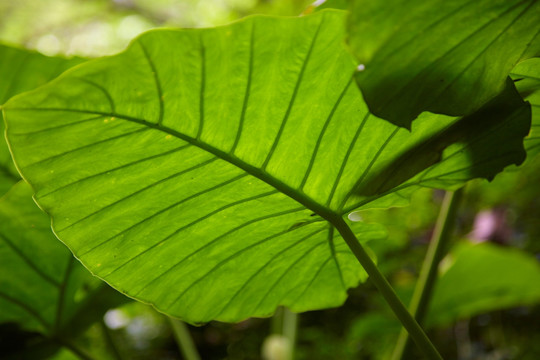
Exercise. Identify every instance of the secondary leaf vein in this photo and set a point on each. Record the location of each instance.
(293, 97)
(185, 171)
(157, 82)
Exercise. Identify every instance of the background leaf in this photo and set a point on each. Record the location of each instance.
(448, 57)
(42, 287)
(483, 277)
(22, 70)
(197, 170)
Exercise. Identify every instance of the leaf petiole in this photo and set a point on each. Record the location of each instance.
(415, 331)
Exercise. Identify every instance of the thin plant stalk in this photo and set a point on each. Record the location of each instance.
(184, 340)
(290, 326)
(284, 323)
(428, 274)
(417, 334)
(109, 340)
(81, 354)
(276, 325)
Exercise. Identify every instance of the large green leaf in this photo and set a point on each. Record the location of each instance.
(482, 278)
(200, 170)
(42, 286)
(22, 70)
(448, 57)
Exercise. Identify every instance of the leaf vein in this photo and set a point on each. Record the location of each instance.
(164, 210)
(61, 126)
(308, 284)
(321, 135)
(213, 241)
(157, 82)
(202, 218)
(369, 167)
(293, 98)
(124, 166)
(332, 247)
(202, 88)
(85, 147)
(226, 260)
(264, 266)
(346, 158)
(103, 91)
(291, 265)
(247, 92)
(185, 171)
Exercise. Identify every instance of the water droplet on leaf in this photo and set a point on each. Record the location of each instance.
(355, 216)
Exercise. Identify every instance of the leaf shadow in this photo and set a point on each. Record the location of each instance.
(491, 138)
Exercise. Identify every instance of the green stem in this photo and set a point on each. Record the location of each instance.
(416, 332)
(109, 340)
(285, 323)
(428, 274)
(184, 340)
(290, 325)
(81, 354)
(277, 321)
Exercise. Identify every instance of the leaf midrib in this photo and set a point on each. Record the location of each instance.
(295, 194)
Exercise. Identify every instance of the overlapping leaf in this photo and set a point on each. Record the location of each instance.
(20, 71)
(201, 170)
(448, 57)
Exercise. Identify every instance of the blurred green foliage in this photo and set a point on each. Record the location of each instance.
(92, 28)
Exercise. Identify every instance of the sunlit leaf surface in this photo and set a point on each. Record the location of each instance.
(200, 170)
(448, 57)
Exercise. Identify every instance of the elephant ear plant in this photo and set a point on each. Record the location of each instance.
(210, 172)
